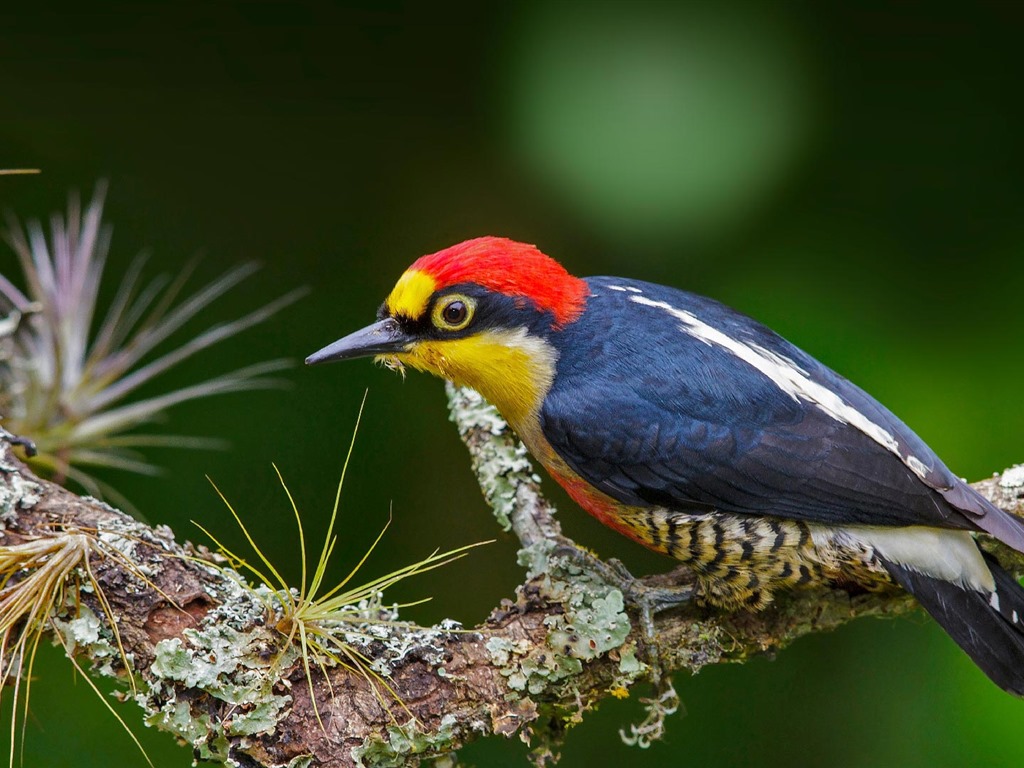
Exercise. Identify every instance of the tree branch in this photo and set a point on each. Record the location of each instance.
(203, 649)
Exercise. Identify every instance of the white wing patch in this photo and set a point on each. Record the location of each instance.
(789, 377)
(918, 467)
(624, 288)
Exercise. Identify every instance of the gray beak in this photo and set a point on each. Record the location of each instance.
(384, 337)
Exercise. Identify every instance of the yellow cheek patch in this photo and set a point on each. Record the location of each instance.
(510, 368)
(411, 294)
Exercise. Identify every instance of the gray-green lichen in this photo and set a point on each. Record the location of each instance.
(82, 631)
(593, 624)
(229, 665)
(502, 465)
(403, 742)
(140, 545)
(594, 621)
(230, 657)
(652, 727)
(236, 656)
(16, 494)
(1012, 479)
(535, 557)
(395, 641)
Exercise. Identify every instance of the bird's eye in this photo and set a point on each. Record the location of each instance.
(454, 313)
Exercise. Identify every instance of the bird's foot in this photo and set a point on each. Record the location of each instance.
(651, 599)
(646, 599)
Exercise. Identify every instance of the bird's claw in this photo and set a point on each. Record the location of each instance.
(647, 600)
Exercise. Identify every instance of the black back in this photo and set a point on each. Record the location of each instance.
(654, 415)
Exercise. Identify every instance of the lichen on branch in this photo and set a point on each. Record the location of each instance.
(201, 646)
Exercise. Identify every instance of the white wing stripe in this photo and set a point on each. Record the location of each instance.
(789, 377)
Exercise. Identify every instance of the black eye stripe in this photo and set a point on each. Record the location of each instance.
(483, 309)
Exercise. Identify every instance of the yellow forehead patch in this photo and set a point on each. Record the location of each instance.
(410, 295)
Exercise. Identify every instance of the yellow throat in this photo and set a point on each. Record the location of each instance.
(510, 368)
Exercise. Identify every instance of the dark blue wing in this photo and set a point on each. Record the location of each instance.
(679, 414)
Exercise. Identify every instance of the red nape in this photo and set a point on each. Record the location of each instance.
(515, 269)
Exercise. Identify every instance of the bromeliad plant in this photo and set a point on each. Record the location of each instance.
(320, 622)
(68, 388)
(41, 578)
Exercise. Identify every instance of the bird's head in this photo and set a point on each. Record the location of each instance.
(482, 314)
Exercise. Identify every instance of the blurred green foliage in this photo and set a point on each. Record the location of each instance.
(848, 173)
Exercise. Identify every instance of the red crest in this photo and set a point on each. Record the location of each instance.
(515, 269)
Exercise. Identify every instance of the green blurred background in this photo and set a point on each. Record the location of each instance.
(849, 174)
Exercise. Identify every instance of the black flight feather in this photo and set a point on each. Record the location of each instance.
(988, 627)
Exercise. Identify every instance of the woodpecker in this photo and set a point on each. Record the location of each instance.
(702, 434)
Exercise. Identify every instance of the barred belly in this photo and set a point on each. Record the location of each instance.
(740, 561)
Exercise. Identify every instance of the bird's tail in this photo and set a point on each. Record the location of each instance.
(988, 626)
